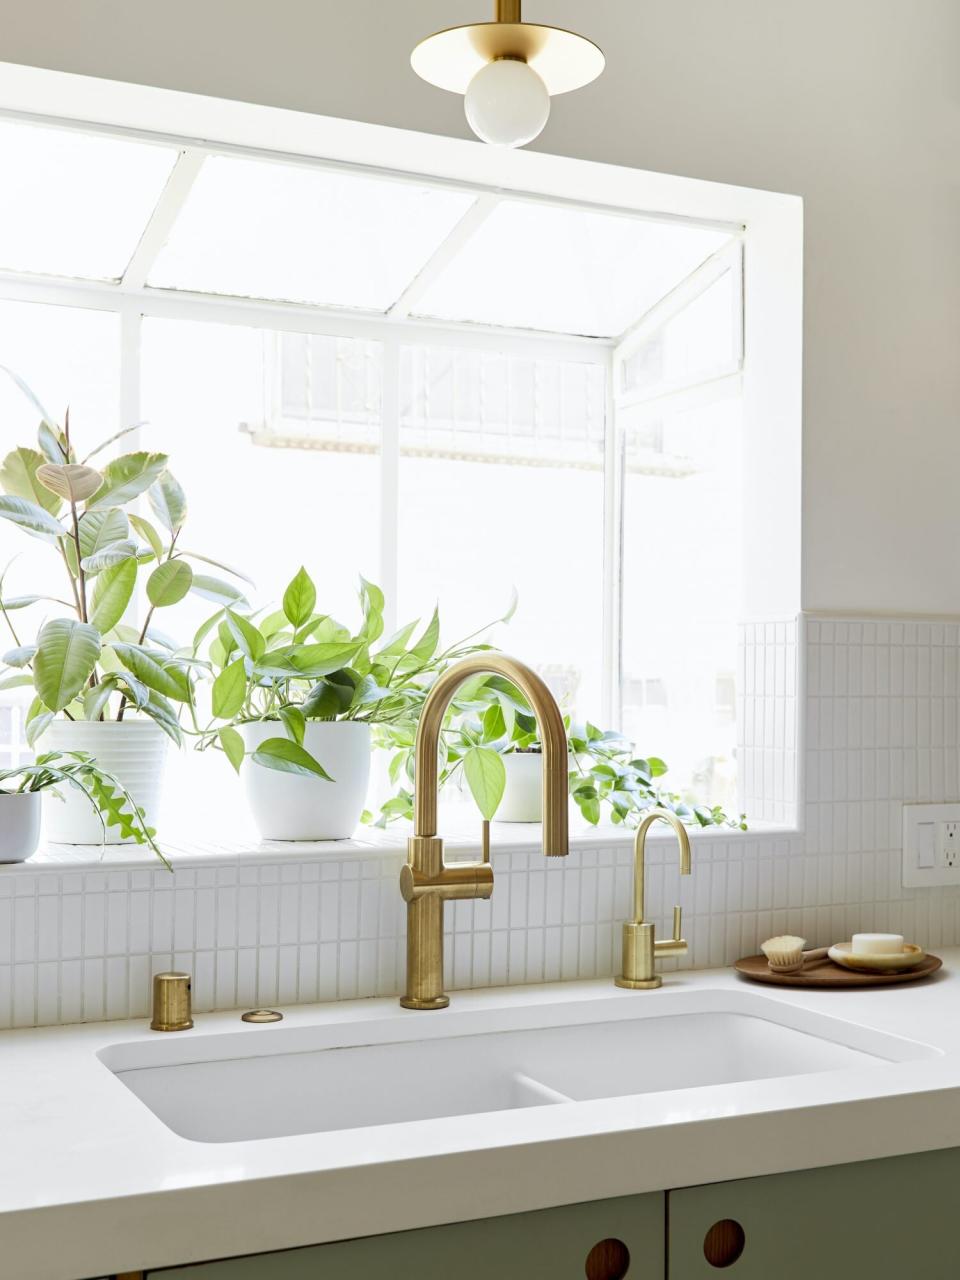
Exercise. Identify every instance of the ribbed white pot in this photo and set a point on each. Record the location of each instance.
(19, 825)
(286, 806)
(523, 793)
(133, 750)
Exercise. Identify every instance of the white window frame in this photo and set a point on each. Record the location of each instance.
(768, 227)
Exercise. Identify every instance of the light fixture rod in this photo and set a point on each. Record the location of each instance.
(508, 10)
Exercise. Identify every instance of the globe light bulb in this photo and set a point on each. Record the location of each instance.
(507, 104)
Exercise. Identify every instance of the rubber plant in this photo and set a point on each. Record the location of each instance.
(492, 719)
(298, 664)
(83, 660)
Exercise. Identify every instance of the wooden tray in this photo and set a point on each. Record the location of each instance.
(824, 973)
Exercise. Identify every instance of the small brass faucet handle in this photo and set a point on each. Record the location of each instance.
(171, 1002)
(640, 947)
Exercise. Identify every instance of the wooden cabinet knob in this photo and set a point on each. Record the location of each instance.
(724, 1243)
(608, 1260)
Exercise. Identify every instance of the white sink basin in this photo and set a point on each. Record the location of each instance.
(279, 1080)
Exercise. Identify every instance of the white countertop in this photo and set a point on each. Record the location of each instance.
(92, 1182)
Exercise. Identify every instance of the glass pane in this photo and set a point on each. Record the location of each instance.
(261, 500)
(75, 204)
(264, 230)
(67, 357)
(536, 266)
(682, 587)
(699, 342)
(501, 484)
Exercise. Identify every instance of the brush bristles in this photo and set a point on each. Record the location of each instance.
(785, 954)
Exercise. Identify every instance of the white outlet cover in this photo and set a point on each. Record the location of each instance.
(926, 862)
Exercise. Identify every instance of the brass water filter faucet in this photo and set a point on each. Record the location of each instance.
(640, 947)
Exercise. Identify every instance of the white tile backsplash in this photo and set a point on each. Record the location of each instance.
(880, 705)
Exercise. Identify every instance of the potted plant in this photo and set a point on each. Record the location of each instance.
(298, 697)
(100, 685)
(492, 745)
(56, 773)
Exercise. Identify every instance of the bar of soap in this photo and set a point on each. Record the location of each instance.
(876, 944)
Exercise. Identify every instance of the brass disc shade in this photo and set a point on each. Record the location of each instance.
(563, 60)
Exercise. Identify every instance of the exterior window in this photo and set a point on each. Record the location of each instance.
(455, 392)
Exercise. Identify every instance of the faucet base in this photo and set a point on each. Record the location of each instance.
(413, 1002)
(638, 984)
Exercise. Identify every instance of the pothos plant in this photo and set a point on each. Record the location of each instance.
(298, 665)
(85, 662)
(57, 771)
(491, 719)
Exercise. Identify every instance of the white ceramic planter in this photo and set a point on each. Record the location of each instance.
(133, 750)
(286, 806)
(523, 793)
(19, 825)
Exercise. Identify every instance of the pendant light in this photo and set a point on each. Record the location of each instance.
(507, 70)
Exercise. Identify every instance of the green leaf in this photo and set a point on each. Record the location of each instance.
(70, 480)
(18, 477)
(229, 690)
(169, 502)
(20, 602)
(657, 767)
(19, 681)
(149, 535)
(135, 690)
(112, 593)
(249, 640)
(113, 553)
(299, 598)
(30, 517)
(426, 646)
(397, 643)
(372, 603)
(117, 435)
(67, 653)
(22, 656)
(99, 528)
(486, 777)
(169, 583)
(96, 699)
(218, 564)
(294, 723)
(156, 671)
(52, 444)
(494, 725)
(288, 757)
(37, 723)
(160, 710)
(233, 747)
(126, 477)
(315, 660)
(217, 590)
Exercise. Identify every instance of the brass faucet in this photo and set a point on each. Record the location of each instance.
(640, 948)
(426, 881)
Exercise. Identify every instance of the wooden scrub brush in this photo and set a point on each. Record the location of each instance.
(786, 954)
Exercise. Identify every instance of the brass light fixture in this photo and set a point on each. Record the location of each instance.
(507, 70)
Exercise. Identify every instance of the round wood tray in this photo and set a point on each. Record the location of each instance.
(824, 973)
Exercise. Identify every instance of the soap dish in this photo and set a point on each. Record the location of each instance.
(895, 962)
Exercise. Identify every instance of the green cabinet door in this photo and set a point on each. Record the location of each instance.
(550, 1244)
(884, 1219)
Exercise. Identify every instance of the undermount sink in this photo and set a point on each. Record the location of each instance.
(278, 1081)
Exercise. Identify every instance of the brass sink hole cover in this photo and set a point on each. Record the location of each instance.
(608, 1260)
(261, 1015)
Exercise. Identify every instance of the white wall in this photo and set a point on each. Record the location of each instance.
(852, 105)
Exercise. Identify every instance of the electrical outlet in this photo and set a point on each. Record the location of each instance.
(931, 845)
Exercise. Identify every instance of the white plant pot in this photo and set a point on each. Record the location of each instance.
(286, 806)
(134, 751)
(19, 825)
(523, 793)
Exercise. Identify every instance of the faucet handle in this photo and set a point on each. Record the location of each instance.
(675, 946)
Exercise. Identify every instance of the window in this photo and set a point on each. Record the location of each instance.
(453, 391)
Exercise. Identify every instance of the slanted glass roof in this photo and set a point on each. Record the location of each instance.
(75, 204)
(260, 229)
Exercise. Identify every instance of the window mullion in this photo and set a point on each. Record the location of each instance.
(390, 479)
(612, 577)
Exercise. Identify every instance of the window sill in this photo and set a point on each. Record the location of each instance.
(187, 852)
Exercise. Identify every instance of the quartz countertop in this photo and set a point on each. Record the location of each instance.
(91, 1182)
